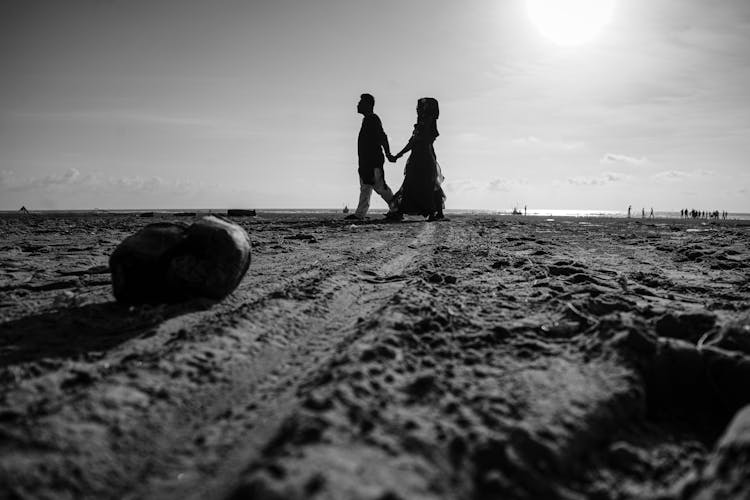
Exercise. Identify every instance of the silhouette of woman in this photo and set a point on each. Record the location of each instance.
(420, 193)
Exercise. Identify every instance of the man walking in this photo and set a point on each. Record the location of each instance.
(371, 143)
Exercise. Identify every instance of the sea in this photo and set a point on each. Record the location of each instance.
(533, 212)
(583, 213)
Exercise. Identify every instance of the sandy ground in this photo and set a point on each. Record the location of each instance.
(481, 357)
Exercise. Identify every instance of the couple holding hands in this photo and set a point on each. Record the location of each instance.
(420, 193)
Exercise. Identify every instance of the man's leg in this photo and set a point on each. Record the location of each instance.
(365, 191)
(383, 190)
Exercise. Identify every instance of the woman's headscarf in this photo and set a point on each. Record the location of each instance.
(427, 107)
(427, 115)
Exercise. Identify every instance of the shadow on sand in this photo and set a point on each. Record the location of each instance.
(78, 331)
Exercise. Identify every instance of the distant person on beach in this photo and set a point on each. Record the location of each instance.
(629, 207)
(524, 210)
(371, 143)
(421, 192)
(651, 215)
(643, 213)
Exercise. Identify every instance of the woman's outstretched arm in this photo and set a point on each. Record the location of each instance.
(406, 149)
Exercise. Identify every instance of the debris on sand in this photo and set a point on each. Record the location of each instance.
(171, 262)
(237, 212)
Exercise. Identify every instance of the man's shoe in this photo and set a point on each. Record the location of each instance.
(353, 217)
(394, 216)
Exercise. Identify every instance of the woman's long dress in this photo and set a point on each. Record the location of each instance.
(420, 193)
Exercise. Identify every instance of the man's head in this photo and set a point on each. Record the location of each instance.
(366, 104)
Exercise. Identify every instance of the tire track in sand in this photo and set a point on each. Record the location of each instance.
(167, 410)
(267, 380)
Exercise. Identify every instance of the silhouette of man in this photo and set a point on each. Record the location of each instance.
(371, 143)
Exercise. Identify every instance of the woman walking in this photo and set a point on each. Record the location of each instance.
(420, 193)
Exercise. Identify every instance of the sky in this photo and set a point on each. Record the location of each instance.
(118, 104)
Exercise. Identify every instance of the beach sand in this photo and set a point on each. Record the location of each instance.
(481, 357)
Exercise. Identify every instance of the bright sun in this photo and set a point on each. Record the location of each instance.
(570, 22)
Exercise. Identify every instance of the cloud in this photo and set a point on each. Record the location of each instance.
(136, 117)
(679, 175)
(527, 141)
(462, 185)
(493, 185)
(73, 180)
(705, 173)
(610, 158)
(9, 181)
(504, 184)
(6, 177)
(598, 180)
(557, 145)
(471, 137)
(672, 175)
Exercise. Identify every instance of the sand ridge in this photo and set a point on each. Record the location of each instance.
(472, 358)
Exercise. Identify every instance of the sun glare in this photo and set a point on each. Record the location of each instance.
(570, 22)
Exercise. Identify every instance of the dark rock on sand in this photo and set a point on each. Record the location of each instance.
(238, 212)
(698, 378)
(676, 378)
(211, 260)
(302, 236)
(727, 373)
(733, 337)
(499, 264)
(169, 262)
(139, 263)
(688, 327)
(727, 474)
(435, 278)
